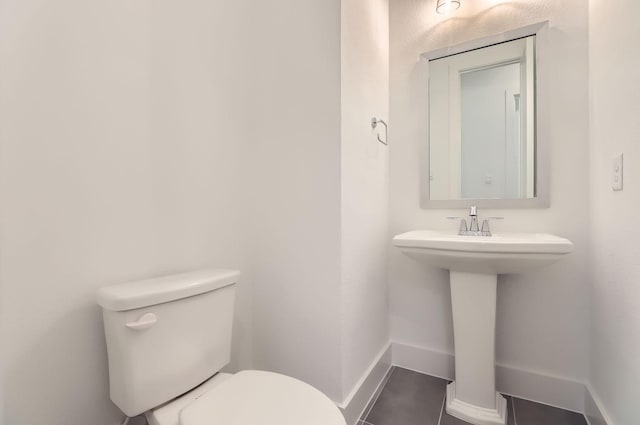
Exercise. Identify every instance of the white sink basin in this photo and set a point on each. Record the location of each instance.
(474, 263)
(498, 254)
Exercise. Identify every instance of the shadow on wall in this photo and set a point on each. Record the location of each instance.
(70, 345)
(487, 17)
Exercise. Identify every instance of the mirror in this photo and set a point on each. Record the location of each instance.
(483, 125)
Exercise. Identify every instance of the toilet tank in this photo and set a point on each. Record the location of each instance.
(166, 335)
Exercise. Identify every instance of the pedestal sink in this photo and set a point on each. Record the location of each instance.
(474, 263)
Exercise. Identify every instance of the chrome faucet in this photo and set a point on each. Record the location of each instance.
(474, 229)
(473, 214)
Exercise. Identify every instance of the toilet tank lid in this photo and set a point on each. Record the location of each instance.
(147, 292)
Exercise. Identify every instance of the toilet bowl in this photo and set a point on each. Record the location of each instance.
(249, 397)
(167, 340)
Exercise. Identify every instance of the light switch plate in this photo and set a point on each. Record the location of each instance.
(617, 173)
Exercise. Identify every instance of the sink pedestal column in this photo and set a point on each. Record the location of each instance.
(472, 397)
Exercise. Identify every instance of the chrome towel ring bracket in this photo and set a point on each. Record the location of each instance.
(374, 124)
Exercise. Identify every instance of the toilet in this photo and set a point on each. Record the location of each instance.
(167, 339)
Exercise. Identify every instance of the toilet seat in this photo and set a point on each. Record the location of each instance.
(254, 397)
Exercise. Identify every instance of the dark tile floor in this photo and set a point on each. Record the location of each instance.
(411, 398)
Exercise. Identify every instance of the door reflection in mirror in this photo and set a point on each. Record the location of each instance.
(482, 123)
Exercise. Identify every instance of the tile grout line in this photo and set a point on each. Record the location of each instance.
(373, 402)
(444, 400)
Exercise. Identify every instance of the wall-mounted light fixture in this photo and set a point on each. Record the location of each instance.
(445, 6)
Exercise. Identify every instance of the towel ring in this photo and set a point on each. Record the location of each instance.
(374, 124)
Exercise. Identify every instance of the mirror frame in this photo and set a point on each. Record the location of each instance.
(541, 200)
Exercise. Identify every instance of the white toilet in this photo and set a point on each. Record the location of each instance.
(167, 339)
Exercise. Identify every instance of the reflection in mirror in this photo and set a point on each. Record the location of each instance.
(482, 123)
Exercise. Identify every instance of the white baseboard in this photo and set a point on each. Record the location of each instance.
(594, 409)
(368, 387)
(557, 391)
(430, 362)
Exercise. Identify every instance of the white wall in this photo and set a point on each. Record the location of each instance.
(294, 190)
(615, 257)
(119, 141)
(150, 137)
(541, 316)
(364, 170)
(320, 191)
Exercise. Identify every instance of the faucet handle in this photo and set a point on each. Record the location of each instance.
(486, 231)
(463, 224)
